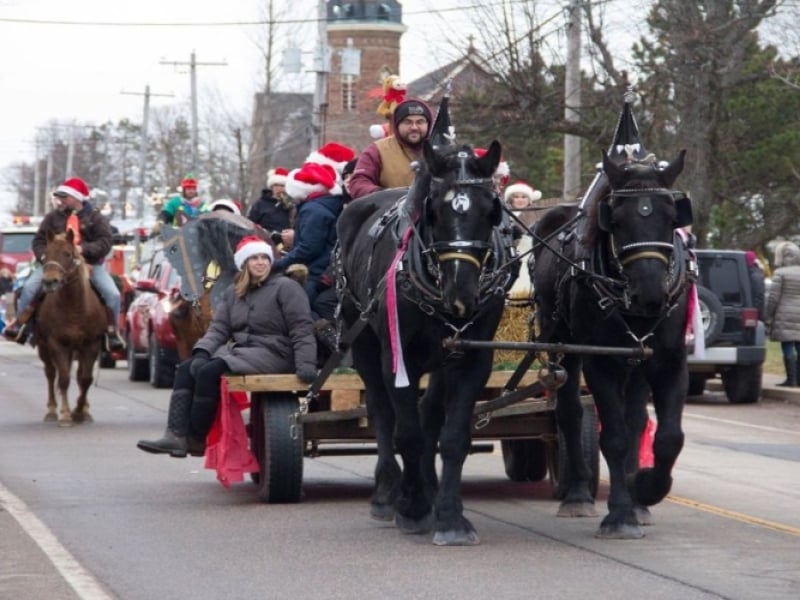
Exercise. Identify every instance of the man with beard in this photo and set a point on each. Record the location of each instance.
(386, 162)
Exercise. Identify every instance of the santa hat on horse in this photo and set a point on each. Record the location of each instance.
(74, 187)
(248, 247)
(312, 180)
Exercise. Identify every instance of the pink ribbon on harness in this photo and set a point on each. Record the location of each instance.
(398, 364)
(694, 320)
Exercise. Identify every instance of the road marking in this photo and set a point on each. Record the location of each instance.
(79, 579)
(736, 516)
(740, 423)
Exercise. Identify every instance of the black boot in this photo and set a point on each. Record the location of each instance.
(790, 364)
(174, 440)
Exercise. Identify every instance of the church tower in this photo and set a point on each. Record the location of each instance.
(375, 28)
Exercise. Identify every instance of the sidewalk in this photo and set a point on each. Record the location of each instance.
(769, 388)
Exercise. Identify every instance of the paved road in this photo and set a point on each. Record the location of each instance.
(83, 514)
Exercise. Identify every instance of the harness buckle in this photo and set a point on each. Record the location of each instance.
(605, 303)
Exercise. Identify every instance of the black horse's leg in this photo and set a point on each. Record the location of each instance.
(432, 415)
(637, 394)
(366, 358)
(578, 500)
(451, 527)
(413, 506)
(670, 384)
(606, 377)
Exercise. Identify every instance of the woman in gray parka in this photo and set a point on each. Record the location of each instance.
(782, 308)
(262, 325)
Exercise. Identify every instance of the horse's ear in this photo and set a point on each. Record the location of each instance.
(489, 161)
(615, 173)
(432, 160)
(670, 173)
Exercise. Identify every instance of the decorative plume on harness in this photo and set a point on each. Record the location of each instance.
(442, 132)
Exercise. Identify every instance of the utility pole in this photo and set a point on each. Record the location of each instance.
(572, 101)
(70, 152)
(143, 147)
(321, 66)
(37, 185)
(193, 64)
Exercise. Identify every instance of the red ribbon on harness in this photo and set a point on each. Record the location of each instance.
(227, 445)
(74, 224)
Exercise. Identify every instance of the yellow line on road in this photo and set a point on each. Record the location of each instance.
(737, 516)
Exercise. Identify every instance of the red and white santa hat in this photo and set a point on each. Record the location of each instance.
(313, 179)
(74, 187)
(502, 172)
(277, 176)
(249, 246)
(225, 204)
(520, 187)
(333, 154)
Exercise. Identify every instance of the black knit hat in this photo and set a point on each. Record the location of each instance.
(412, 108)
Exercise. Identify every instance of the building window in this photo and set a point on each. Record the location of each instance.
(348, 93)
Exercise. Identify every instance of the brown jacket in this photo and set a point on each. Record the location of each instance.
(95, 233)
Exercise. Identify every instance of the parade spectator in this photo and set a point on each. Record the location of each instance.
(274, 211)
(782, 309)
(181, 207)
(93, 240)
(6, 281)
(386, 163)
(318, 196)
(262, 325)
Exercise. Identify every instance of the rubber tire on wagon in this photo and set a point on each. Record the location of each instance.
(590, 442)
(525, 460)
(279, 454)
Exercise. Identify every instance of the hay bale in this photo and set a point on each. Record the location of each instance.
(514, 327)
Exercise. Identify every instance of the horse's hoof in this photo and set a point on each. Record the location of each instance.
(456, 537)
(82, 418)
(643, 515)
(50, 418)
(414, 526)
(382, 512)
(624, 531)
(66, 423)
(576, 509)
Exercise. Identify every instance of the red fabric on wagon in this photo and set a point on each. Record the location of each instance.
(227, 443)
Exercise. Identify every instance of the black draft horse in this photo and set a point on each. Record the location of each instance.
(432, 267)
(619, 274)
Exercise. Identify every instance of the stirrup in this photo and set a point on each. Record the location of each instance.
(113, 342)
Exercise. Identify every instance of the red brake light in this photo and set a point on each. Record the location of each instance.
(750, 317)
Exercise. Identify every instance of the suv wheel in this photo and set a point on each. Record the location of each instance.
(711, 312)
(742, 384)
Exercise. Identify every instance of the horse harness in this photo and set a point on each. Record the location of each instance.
(418, 271)
(600, 266)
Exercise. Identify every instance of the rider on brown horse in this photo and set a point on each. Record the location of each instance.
(92, 237)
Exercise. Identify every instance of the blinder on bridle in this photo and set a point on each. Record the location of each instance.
(476, 252)
(645, 200)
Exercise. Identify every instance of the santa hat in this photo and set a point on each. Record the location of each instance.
(277, 176)
(520, 187)
(225, 204)
(313, 179)
(248, 247)
(188, 182)
(332, 154)
(75, 188)
(502, 171)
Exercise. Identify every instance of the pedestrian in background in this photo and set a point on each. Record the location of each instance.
(756, 281)
(782, 308)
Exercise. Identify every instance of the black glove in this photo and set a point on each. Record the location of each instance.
(307, 373)
(199, 359)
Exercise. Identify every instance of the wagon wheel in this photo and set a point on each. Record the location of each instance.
(279, 455)
(558, 460)
(525, 460)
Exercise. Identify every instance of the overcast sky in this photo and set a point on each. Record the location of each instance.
(57, 63)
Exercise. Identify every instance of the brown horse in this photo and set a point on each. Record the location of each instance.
(70, 325)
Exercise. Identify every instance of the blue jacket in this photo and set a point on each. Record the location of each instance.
(314, 235)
